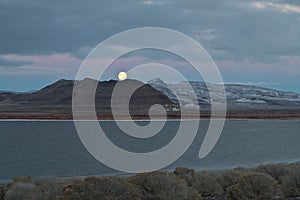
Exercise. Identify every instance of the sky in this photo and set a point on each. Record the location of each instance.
(251, 42)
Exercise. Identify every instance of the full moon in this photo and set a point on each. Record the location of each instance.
(122, 76)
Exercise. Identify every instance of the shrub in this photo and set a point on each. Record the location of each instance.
(163, 186)
(206, 184)
(291, 183)
(19, 191)
(23, 179)
(94, 188)
(276, 171)
(2, 192)
(184, 173)
(49, 189)
(228, 177)
(253, 185)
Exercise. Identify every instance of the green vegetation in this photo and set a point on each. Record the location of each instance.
(262, 182)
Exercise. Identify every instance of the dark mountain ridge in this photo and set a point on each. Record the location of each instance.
(55, 100)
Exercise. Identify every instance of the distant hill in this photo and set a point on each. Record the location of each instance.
(55, 100)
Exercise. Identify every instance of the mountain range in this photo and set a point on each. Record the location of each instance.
(243, 101)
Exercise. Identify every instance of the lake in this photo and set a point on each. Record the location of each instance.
(53, 148)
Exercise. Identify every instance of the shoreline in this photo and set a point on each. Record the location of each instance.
(142, 118)
(126, 174)
(272, 181)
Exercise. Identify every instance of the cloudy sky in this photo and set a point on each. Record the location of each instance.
(252, 42)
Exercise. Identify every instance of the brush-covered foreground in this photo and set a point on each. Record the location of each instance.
(273, 181)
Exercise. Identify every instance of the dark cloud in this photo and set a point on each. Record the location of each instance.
(227, 29)
(43, 27)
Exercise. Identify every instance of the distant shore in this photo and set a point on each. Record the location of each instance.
(40, 116)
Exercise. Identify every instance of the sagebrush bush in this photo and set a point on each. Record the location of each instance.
(2, 192)
(291, 183)
(254, 185)
(49, 189)
(23, 179)
(184, 173)
(276, 171)
(207, 185)
(106, 188)
(163, 186)
(19, 191)
(228, 177)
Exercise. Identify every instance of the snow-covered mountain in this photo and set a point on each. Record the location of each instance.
(237, 95)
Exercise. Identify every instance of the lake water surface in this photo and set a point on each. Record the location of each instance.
(53, 148)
